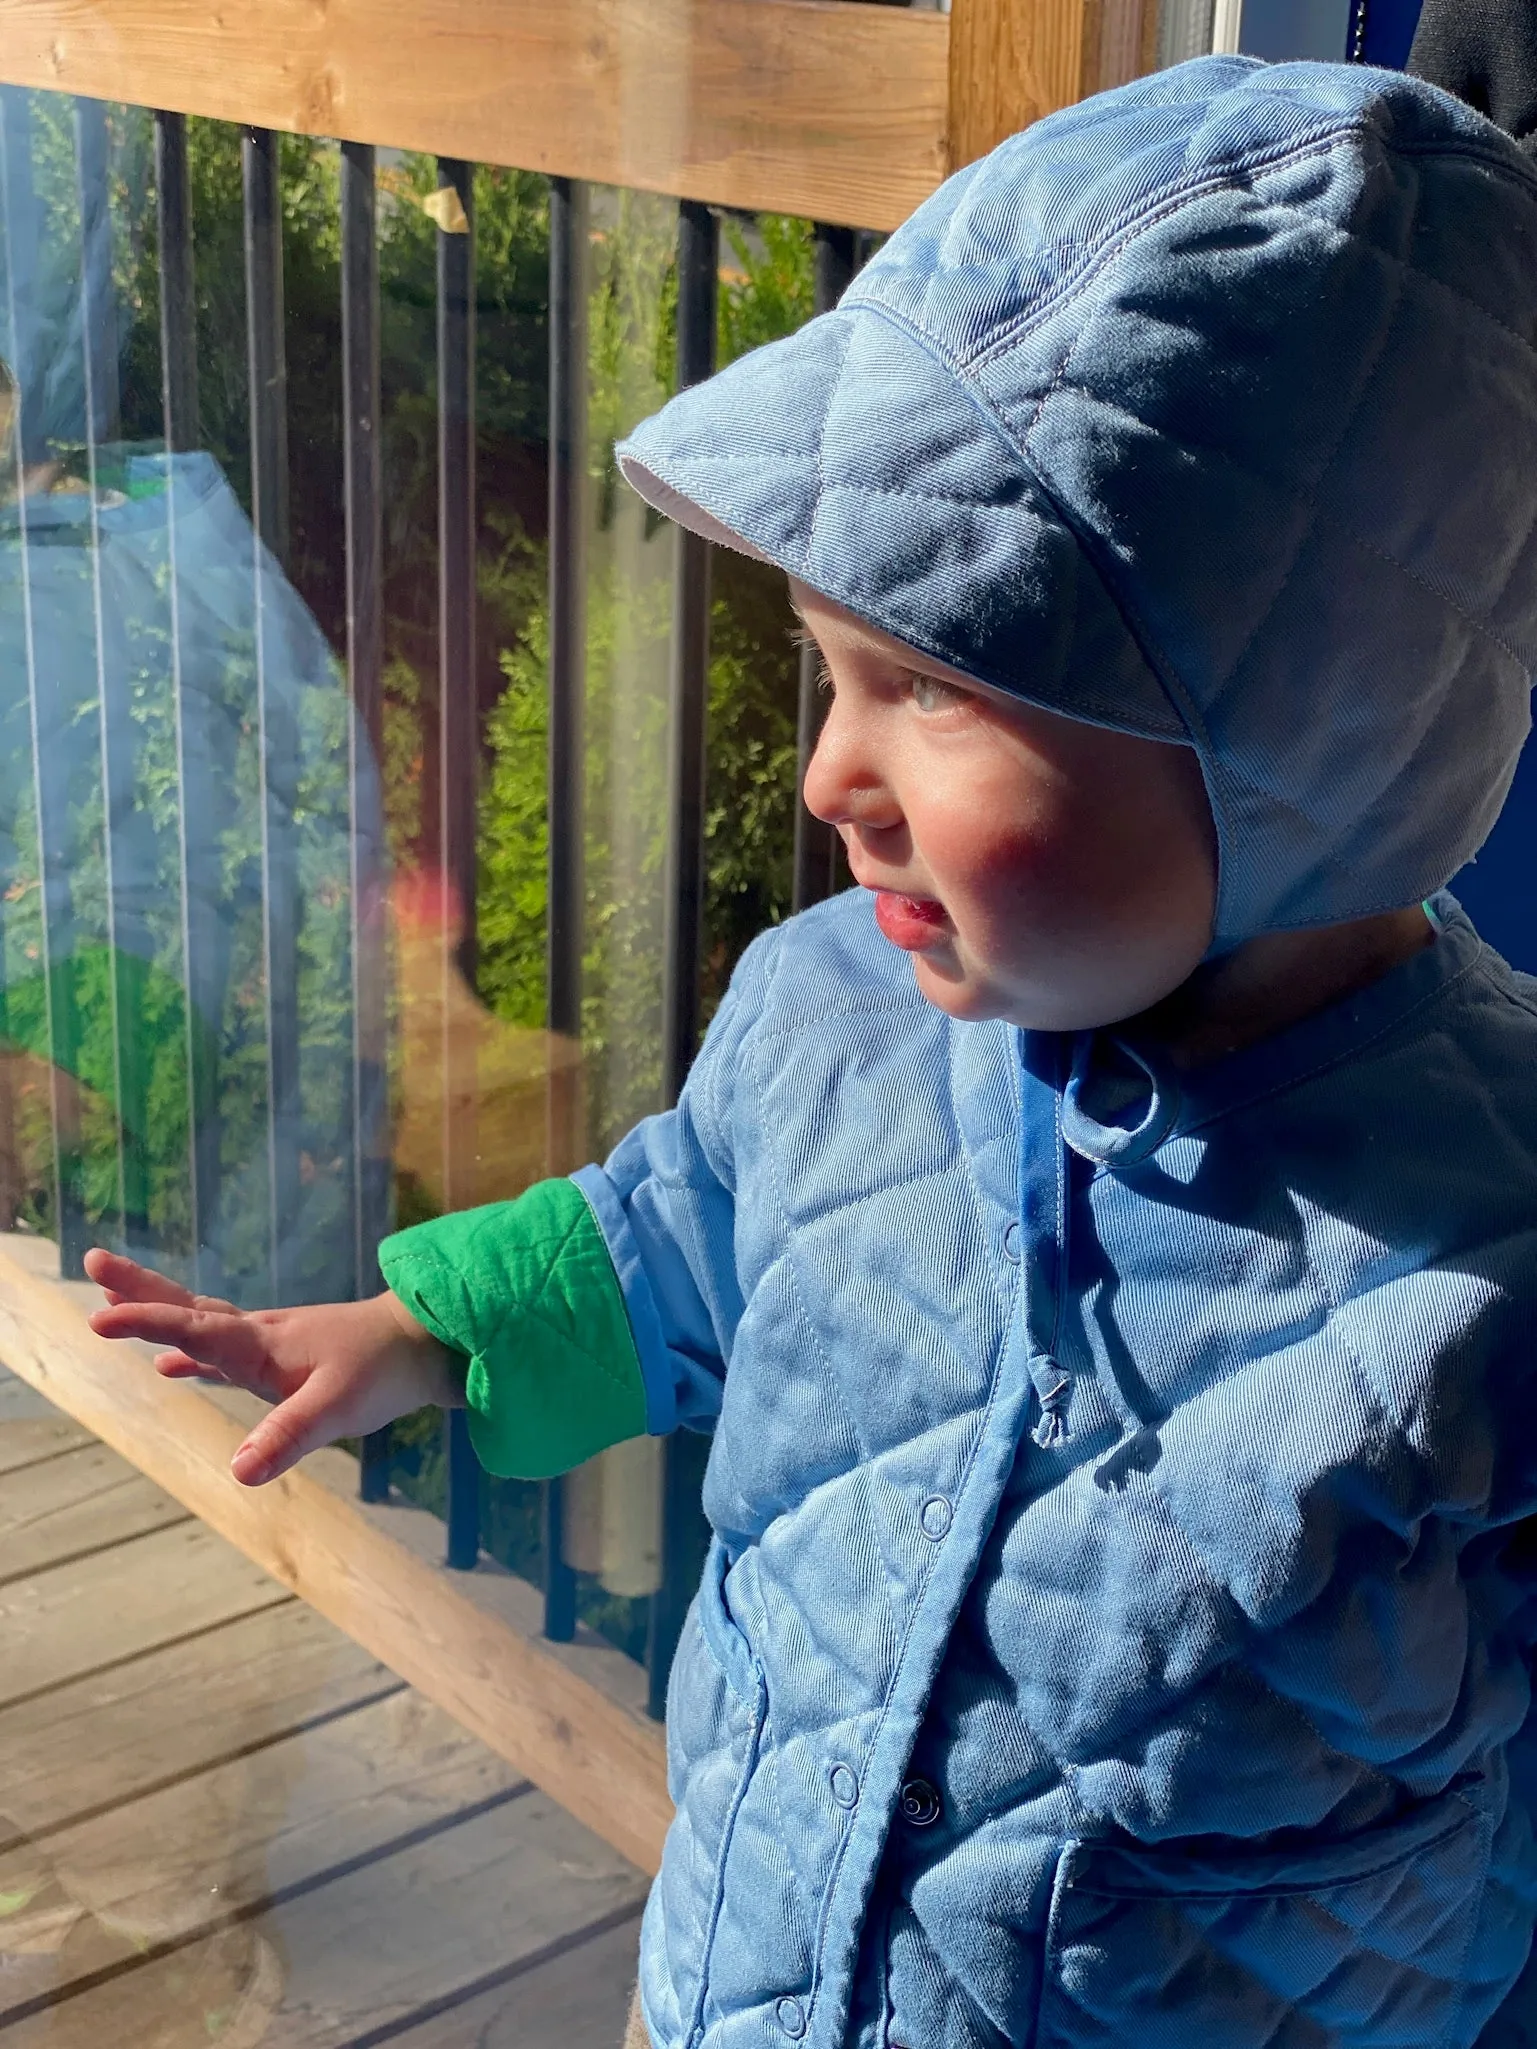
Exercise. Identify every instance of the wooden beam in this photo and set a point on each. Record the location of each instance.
(603, 1763)
(1011, 61)
(817, 107)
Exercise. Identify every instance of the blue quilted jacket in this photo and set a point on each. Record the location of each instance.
(1119, 1617)
(1182, 1718)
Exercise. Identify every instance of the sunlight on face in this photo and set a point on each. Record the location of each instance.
(1037, 868)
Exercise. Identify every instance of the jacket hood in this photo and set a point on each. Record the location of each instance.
(1206, 410)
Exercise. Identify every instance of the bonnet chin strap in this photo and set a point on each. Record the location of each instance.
(1054, 1069)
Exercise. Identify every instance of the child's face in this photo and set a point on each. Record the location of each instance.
(1037, 868)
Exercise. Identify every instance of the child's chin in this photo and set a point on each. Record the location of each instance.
(946, 984)
(971, 1000)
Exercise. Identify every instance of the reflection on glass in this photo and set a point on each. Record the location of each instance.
(613, 1512)
(187, 797)
(177, 732)
(183, 781)
(612, 1518)
(632, 241)
(766, 290)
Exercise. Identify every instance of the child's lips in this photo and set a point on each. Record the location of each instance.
(911, 922)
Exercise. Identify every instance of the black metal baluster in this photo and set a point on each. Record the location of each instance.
(568, 657)
(204, 937)
(178, 322)
(363, 485)
(128, 840)
(459, 743)
(698, 261)
(99, 306)
(50, 700)
(816, 843)
(261, 160)
(261, 163)
(698, 266)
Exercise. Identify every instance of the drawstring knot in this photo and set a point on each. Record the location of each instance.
(1053, 1386)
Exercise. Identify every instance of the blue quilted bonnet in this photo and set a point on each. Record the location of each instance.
(1206, 410)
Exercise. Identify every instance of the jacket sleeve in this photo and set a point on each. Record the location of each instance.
(601, 1307)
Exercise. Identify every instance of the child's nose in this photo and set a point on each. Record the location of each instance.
(843, 786)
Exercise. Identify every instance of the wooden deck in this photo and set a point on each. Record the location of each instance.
(224, 1823)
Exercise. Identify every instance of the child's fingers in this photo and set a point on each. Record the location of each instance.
(130, 1281)
(177, 1366)
(125, 1280)
(234, 1344)
(301, 1424)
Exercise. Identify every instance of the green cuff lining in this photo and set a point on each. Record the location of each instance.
(526, 1292)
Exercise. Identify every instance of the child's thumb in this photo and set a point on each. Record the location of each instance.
(282, 1438)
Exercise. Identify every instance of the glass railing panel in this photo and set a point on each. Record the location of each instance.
(385, 801)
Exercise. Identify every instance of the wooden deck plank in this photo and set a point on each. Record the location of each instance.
(160, 1588)
(499, 1889)
(340, 1964)
(113, 1736)
(69, 1506)
(221, 1819)
(273, 1824)
(577, 2000)
(26, 1439)
(521, 1696)
(20, 1403)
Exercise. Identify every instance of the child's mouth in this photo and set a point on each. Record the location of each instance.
(911, 922)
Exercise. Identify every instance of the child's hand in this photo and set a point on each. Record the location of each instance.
(339, 1369)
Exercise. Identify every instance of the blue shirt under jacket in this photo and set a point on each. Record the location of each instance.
(1118, 1618)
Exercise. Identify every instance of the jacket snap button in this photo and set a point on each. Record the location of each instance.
(934, 1517)
(920, 1803)
(845, 1785)
(1011, 1242)
(791, 2017)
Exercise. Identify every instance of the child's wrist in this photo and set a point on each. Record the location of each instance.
(443, 1366)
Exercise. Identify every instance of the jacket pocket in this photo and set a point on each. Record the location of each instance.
(722, 1635)
(714, 1691)
(715, 1710)
(1359, 1944)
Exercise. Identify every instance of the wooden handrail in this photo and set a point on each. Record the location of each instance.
(843, 112)
(815, 107)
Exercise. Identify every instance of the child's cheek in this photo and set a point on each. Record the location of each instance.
(1010, 877)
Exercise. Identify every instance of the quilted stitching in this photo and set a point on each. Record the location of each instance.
(832, 403)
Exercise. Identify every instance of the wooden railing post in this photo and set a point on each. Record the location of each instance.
(1011, 61)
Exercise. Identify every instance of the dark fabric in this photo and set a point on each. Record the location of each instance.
(1484, 51)
(1381, 32)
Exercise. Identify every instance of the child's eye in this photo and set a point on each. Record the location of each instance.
(929, 694)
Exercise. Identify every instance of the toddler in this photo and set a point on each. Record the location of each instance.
(1104, 1244)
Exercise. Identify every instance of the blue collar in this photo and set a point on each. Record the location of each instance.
(1177, 1104)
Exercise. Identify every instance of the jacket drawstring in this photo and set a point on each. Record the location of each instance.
(1052, 1427)
(1054, 1125)
(1044, 1208)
